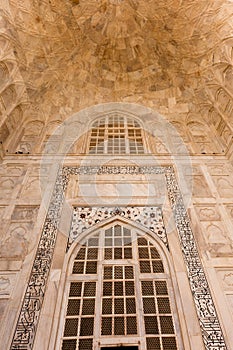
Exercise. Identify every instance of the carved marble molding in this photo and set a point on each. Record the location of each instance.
(30, 312)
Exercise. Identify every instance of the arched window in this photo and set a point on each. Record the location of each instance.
(119, 292)
(116, 134)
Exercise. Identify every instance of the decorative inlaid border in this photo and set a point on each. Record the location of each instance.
(85, 217)
(29, 315)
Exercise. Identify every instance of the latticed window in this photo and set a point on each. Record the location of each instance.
(116, 134)
(119, 292)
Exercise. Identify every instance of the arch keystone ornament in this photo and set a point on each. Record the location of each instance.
(27, 323)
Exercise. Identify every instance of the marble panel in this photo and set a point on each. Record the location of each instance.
(7, 283)
(7, 186)
(31, 189)
(208, 212)
(200, 187)
(24, 213)
(15, 244)
(224, 186)
(14, 170)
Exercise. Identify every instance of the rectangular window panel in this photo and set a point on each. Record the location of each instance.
(131, 325)
(130, 306)
(118, 288)
(85, 344)
(153, 344)
(129, 287)
(149, 306)
(73, 307)
(107, 306)
(108, 272)
(91, 267)
(119, 326)
(89, 289)
(107, 288)
(78, 267)
(151, 325)
(88, 307)
(119, 306)
(164, 305)
(71, 327)
(106, 326)
(87, 326)
(69, 344)
(147, 288)
(75, 289)
(169, 343)
(166, 325)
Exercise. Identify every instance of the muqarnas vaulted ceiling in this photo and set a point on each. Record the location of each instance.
(172, 55)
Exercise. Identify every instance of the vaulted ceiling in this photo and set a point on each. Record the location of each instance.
(175, 56)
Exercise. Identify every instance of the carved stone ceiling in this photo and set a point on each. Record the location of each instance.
(73, 54)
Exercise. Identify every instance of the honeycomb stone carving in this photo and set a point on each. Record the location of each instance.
(129, 51)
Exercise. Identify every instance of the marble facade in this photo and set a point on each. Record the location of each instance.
(62, 65)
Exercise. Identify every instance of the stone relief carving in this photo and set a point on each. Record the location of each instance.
(4, 285)
(24, 213)
(15, 244)
(208, 213)
(7, 282)
(8, 95)
(198, 283)
(161, 148)
(230, 210)
(6, 187)
(32, 303)
(4, 132)
(218, 242)
(32, 188)
(33, 128)
(7, 184)
(227, 135)
(14, 170)
(220, 169)
(224, 186)
(216, 234)
(228, 279)
(25, 147)
(200, 187)
(225, 278)
(15, 116)
(2, 211)
(221, 249)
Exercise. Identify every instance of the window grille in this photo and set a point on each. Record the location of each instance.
(119, 295)
(116, 134)
(118, 301)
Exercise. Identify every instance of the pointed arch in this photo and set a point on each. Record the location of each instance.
(112, 271)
